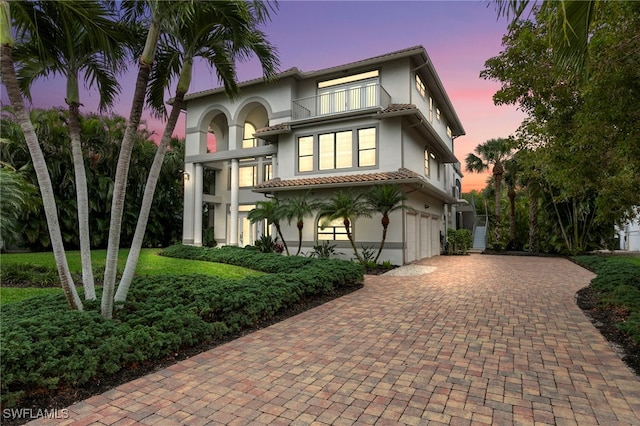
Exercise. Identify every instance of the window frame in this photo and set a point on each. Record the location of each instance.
(322, 232)
(355, 132)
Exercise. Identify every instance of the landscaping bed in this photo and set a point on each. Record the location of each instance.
(52, 356)
(612, 303)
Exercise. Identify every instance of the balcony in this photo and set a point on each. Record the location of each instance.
(341, 100)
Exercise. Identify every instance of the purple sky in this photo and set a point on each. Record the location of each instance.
(459, 36)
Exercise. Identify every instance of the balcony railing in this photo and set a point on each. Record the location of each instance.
(342, 100)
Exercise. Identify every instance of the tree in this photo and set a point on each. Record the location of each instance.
(70, 48)
(17, 195)
(272, 212)
(511, 179)
(222, 33)
(568, 22)
(348, 206)
(385, 199)
(492, 153)
(297, 208)
(72, 11)
(101, 141)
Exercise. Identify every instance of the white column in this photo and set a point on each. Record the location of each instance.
(197, 207)
(235, 187)
(188, 215)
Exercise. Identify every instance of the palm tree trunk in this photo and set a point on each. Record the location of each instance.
(498, 190)
(147, 200)
(512, 216)
(533, 220)
(300, 225)
(384, 236)
(347, 227)
(83, 201)
(39, 164)
(279, 231)
(122, 169)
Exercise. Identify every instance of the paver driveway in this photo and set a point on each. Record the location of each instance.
(480, 340)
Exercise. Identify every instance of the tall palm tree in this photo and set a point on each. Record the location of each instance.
(272, 212)
(348, 206)
(25, 27)
(491, 153)
(297, 208)
(222, 33)
(152, 14)
(385, 199)
(511, 179)
(71, 49)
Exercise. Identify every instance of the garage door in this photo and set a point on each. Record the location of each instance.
(425, 243)
(410, 251)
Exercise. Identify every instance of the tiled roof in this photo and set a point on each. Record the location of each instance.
(274, 128)
(400, 175)
(413, 49)
(398, 107)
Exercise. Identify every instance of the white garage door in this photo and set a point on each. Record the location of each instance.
(425, 243)
(410, 252)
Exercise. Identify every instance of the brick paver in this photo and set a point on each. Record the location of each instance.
(481, 340)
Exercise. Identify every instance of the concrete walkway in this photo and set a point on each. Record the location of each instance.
(477, 340)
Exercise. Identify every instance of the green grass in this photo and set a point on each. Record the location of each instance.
(150, 263)
(15, 294)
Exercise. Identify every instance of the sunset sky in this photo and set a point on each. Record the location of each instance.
(459, 36)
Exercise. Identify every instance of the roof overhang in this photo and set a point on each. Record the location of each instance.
(401, 177)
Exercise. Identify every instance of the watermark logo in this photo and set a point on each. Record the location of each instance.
(35, 413)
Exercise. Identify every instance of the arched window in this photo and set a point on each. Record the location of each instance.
(248, 141)
(332, 230)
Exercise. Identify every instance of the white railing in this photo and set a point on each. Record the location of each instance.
(341, 100)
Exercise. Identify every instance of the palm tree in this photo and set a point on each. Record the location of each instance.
(133, 11)
(385, 199)
(71, 49)
(511, 179)
(297, 209)
(569, 21)
(272, 212)
(222, 33)
(25, 27)
(348, 206)
(491, 153)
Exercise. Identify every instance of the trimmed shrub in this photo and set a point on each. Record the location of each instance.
(44, 345)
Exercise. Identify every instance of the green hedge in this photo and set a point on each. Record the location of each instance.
(617, 283)
(44, 345)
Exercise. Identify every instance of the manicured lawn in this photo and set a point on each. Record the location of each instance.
(150, 263)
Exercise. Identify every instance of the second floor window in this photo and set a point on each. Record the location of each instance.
(335, 150)
(247, 176)
(305, 154)
(347, 149)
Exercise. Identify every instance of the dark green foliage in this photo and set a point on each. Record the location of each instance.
(460, 240)
(618, 285)
(14, 274)
(44, 345)
(101, 136)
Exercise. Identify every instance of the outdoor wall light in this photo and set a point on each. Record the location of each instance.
(185, 176)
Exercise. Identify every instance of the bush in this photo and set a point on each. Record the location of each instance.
(617, 284)
(460, 241)
(44, 345)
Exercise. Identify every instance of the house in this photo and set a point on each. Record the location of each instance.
(385, 119)
(629, 233)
